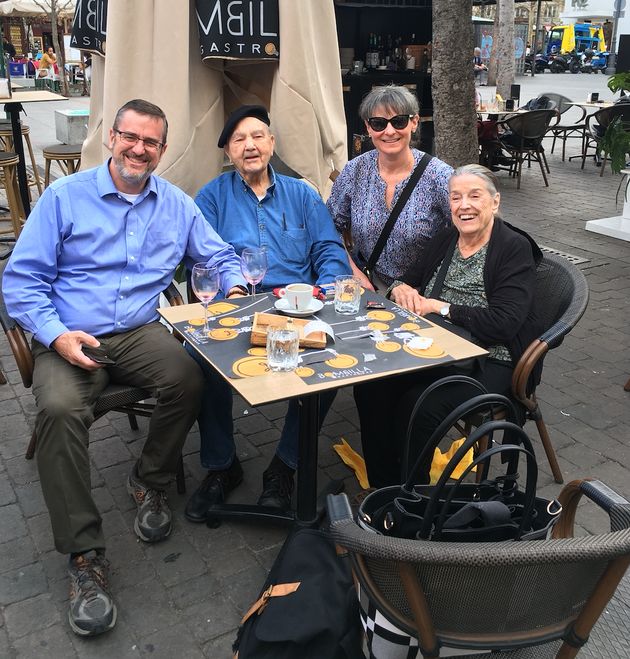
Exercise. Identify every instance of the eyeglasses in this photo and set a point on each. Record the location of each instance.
(398, 122)
(131, 139)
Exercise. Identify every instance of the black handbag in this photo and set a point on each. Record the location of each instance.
(489, 511)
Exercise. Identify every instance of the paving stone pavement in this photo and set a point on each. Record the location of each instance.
(185, 596)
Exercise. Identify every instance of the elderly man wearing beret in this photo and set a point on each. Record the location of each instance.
(253, 206)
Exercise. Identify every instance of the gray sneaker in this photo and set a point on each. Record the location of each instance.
(153, 517)
(92, 610)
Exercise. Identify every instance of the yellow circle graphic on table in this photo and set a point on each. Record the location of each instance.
(410, 326)
(378, 326)
(328, 374)
(342, 361)
(388, 346)
(222, 334)
(249, 367)
(229, 321)
(380, 314)
(257, 352)
(432, 352)
(304, 371)
(220, 307)
(197, 321)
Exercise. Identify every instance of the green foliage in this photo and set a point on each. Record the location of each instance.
(620, 82)
(616, 143)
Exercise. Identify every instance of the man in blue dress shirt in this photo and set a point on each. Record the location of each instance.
(254, 206)
(87, 270)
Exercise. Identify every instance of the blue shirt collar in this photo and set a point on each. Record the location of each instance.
(272, 178)
(105, 184)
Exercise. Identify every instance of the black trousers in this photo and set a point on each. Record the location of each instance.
(385, 408)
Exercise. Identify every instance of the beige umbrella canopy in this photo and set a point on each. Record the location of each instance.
(65, 8)
(152, 52)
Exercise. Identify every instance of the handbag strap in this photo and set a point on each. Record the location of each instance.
(484, 429)
(398, 206)
(441, 275)
(530, 486)
(471, 406)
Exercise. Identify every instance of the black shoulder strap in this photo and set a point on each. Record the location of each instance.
(441, 275)
(393, 216)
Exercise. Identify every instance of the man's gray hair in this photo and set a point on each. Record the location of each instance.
(399, 100)
(490, 180)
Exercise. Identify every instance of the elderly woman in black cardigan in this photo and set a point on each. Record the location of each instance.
(480, 274)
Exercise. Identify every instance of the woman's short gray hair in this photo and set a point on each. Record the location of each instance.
(399, 100)
(490, 180)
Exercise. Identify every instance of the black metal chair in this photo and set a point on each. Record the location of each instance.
(115, 397)
(560, 301)
(523, 140)
(504, 597)
(596, 125)
(573, 129)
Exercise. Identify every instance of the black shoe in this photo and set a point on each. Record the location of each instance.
(213, 490)
(92, 610)
(277, 486)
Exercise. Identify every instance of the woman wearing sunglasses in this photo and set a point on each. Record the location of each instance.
(369, 186)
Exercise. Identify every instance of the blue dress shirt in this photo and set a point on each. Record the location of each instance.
(291, 221)
(88, 259)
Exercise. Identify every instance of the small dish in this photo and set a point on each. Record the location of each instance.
(283, 306)
(382, 68)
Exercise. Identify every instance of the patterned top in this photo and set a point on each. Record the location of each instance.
(463, 285)
(357, 201)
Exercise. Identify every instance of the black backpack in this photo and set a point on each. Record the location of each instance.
(541, 102)
(313, 612)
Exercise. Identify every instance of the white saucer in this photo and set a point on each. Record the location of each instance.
(283, 306)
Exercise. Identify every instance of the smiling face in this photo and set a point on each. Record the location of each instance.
(473, 207)
(131, 166)
(250, 148)
(391, 142)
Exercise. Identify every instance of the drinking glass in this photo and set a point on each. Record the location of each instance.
(254, 265)
(282, 348)
(205, 284)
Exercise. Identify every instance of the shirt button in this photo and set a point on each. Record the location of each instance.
(118, 323)
(126, 278)
(132, 258)
(131, 233)
(122, 297)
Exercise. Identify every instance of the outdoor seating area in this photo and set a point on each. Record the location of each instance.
(267, 393)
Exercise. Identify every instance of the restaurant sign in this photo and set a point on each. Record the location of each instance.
(89, 26)
(239, 29)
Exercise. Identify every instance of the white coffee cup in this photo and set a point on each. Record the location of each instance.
(298, 296)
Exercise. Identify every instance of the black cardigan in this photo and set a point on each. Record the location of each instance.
(509, 277)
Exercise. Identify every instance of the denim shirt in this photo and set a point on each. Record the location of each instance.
(291, 221)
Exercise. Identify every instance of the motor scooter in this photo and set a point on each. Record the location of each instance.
(559, 64)
(578, 64)
(542, 63)
(599, 61)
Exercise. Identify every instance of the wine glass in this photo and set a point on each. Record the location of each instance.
(205, 284)
(254, 265)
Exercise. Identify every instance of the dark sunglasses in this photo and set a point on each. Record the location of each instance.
(398, 122)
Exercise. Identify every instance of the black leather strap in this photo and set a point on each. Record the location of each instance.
(441, 275)
(393, 216)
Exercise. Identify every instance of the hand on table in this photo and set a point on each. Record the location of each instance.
(407, 297)
(69, 344)
(357, 273)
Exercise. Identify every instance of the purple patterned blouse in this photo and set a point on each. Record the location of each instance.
(357, 201)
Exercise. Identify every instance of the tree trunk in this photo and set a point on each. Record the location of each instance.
(505, 47)
(453, 84)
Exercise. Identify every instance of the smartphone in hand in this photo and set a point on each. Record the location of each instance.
(98, 355)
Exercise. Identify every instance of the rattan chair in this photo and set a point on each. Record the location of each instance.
(498, 597)
(563, 131)
(596, 125)
(523, 140)
(114, 398)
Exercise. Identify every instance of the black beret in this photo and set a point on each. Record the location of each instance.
(233, 120)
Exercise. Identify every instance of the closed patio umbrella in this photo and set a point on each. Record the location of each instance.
(152, 52)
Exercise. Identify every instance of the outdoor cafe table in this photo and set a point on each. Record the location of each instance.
(346, 361)
(13, 106)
